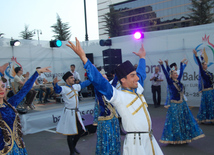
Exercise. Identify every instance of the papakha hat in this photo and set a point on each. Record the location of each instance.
(67, 75)
(124, 69)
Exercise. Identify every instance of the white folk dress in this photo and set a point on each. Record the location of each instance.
(67, 124)
(132, 108)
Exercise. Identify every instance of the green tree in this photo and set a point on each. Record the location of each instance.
(201, 11)
(27, 34)
(61, 30)
(113, 26)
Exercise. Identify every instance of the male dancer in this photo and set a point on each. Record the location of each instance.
(70, 123)
(129, 102)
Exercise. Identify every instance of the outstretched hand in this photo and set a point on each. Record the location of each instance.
(160, 62)
(183, 60)
(141, 53)
(166, 61)
(56, 80)
(78, 50)
(186, 62)
(194, 52)
(3, 68)
(45, 69)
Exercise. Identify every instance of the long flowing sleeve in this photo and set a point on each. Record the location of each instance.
(141, 71)
(200, 67)
(16, 99)
(169, 81)
(57, 88)
(181, 71)
(85, 84)
(99, 82)
(168, 69)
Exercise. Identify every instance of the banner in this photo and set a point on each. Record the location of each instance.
(44, 120)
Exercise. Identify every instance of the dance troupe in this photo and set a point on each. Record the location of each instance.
(122, 97)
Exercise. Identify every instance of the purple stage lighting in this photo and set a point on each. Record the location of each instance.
(138, 35)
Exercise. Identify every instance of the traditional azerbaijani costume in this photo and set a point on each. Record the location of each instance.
(132, 108)
(206, 110)
(70, 114)
(13, 145)
(108, 129)
(70, 122)
(180, 126)
(167, 102)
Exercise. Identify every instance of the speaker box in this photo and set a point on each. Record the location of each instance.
(111, 59)
(90, 57)
(88, 122)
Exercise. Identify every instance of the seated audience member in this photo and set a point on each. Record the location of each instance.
(41, 79)
(19, 82)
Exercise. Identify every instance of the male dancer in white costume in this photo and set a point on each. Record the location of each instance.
(70, 122)
(129, 102)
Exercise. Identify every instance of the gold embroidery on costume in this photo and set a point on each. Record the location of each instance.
(145, 111)
(128, 105)
(10, 134)
(149, 124)
(112, 111)
(71, 96)
(15, 131)
(181, 94)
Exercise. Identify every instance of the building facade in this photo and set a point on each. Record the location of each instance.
(145, 15)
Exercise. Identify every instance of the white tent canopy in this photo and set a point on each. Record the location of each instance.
(174, 45)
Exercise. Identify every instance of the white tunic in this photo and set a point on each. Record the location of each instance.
(67, 124)
(135, 118)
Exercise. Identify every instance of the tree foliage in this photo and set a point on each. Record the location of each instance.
(201, 11)
(61, 30)
(27, 34)
(113, 26)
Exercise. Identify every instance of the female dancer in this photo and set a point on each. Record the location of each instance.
(11, 142)
(206, 110)
(108, 128)
(180, 126)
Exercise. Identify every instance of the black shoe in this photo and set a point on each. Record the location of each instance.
(77, 151)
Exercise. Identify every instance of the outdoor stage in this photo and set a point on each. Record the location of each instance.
(46, 116)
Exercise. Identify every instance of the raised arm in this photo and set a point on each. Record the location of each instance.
(181, 71)
(141, 69)
(167, 65)
(99, 82)
(169, 81)
(199, 63)
(57, 88)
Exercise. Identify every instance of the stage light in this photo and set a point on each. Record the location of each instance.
(15, 43)
(138, 35)
(55, 43)
(105, 42)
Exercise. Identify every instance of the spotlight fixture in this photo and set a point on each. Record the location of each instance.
(15, 43)
(55, 43)
(138, 35)
(105, 42)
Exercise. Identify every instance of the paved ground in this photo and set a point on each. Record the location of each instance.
(50, 143)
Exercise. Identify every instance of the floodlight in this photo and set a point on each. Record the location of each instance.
(138, 35)
(55, 43)
(15, 43)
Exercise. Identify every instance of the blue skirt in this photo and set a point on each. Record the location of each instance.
(17, 151)
(180, 126)
(206, 110)
(108, 137)
(167, 102)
